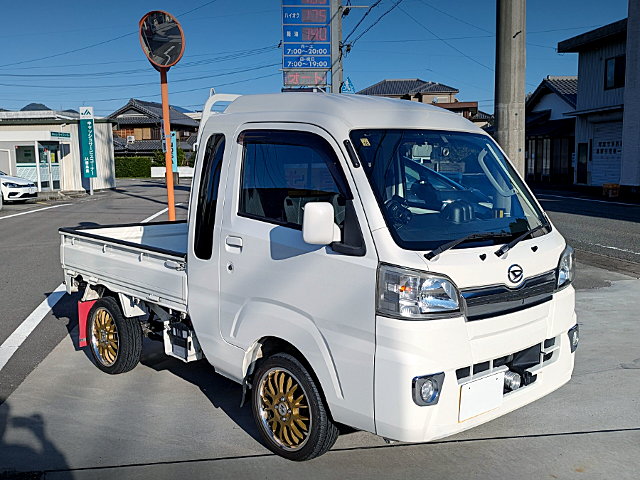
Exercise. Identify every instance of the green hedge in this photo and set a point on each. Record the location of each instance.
(133, 167)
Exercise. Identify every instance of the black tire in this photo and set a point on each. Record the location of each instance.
(115, 341)
(278, 373)
(1, 200)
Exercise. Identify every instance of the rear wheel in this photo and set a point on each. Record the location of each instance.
(115, 341)
(1, 200)
(289, 410)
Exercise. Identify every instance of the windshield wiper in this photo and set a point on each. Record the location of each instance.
(454, 243)
(505, 248)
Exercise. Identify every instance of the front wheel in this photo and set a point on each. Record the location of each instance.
(289, 410)
(115, 341)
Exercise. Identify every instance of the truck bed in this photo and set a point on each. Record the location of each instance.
(143, 260)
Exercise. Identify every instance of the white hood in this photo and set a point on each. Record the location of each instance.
(17, 180)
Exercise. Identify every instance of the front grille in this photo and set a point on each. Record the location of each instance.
(497, 300)
(528, 360)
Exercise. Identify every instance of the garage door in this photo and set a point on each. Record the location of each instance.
(607, 153)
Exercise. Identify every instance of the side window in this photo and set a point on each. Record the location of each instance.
(284, 170)
(208, 197)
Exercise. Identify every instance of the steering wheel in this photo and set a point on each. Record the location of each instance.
(398, 210)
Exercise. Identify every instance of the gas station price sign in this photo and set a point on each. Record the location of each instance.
(306, 34)
(305, 78)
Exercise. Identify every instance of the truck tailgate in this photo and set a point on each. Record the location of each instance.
(146, 261)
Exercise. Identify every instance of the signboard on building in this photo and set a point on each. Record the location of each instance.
(60, 135)
(87, 143)
(306, 36)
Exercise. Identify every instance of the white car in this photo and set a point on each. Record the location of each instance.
(16, 189)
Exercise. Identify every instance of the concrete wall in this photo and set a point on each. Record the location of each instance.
(553, 102)
(630, 172)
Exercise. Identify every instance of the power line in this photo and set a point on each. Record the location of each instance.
(361, 20)
(70, 51)
(95, 44)
(145, 84)
(197, 8)
(456, 18)
(447, 43)
(223, 57)
(374, 24)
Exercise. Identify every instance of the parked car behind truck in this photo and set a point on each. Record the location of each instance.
(339, 278)
(15, 189)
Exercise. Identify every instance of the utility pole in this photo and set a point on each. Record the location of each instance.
(509, 115)
(336, 46)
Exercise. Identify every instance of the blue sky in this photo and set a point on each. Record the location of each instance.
(232, 45)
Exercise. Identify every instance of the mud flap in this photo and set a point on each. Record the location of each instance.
(83, 314)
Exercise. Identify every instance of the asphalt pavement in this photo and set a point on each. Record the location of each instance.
(30, 260)
(605, 233)
(61, 417)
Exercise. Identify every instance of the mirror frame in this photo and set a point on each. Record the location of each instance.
(143, 45)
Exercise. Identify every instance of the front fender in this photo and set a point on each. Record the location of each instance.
(261, 318)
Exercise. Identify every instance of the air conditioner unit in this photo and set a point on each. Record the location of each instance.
(131, 138)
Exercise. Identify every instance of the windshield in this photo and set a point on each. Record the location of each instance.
(435, 187)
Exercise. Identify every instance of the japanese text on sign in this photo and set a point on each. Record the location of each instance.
(87, 142)
(306, 34)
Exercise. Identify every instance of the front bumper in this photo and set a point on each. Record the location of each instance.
(409, 349)
(21, 193)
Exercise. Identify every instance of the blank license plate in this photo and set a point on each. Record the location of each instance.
(480, 396)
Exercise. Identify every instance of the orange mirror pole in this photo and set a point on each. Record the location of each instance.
(167, 135)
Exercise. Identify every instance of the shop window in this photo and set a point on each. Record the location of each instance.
(614, 70)
(25, 155)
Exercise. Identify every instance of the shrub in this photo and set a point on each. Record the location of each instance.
(159, 161)
(133, 167)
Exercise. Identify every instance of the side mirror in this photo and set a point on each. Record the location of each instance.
(318, 227)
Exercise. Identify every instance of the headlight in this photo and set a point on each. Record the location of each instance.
(413, 294)
(566, 267)
(11, 185)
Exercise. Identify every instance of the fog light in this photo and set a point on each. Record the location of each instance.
(512, 380)
(574, 338)
(426, 390)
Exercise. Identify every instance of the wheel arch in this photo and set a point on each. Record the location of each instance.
(268, 346)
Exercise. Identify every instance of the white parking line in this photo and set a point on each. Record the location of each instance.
(20, 334)
(588, 200)
(155, 215)
(34, 211)
(614, 248)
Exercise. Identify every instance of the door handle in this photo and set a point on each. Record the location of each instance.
(232, 241)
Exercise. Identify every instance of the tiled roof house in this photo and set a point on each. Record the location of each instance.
(138, 129)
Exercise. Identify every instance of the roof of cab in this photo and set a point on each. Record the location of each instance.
(358, 111)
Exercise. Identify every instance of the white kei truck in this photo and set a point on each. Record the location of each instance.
(348, 260)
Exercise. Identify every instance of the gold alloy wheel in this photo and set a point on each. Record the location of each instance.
(104, 337)
(284, 408)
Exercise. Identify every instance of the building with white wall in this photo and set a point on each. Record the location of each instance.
(44, 147)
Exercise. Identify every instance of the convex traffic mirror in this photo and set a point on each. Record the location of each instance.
(162, 38)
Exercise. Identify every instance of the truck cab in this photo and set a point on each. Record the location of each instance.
(362, 261)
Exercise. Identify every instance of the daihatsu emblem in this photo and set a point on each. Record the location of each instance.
(515, 273)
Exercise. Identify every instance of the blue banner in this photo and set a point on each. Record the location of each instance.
(174, 152)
